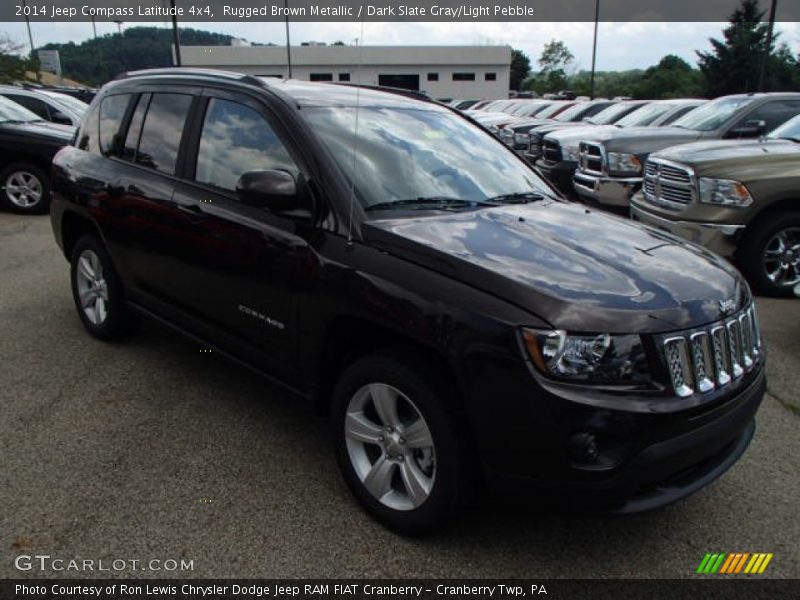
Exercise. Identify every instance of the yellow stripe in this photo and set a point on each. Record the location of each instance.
(765, 563)
(741, 562)
(727, 562)
(757, 564)
(749, 567)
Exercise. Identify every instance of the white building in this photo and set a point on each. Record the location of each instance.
(441, 71)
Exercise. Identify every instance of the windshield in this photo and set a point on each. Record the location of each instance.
(645, 115)
(69, 102)
(411, 154)
(714, 114)
(788, 131)
(612, 114)
(11, 111)
(550, 110)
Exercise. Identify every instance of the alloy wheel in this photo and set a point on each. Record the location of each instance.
(781, 258)
(390, 446)
(92, 287)
(23, 189)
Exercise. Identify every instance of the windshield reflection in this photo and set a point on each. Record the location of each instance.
(407, 154)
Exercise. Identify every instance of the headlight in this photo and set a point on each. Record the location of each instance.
(571, 153)
(522, 141)
(724, 191)
(601, 358)
(622, 162)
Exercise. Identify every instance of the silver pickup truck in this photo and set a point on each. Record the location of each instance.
(611, 171)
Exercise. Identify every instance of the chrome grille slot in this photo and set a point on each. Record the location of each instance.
(668, 183)
(679, 366)
(551, 151)
(702, 360)
(590, 158)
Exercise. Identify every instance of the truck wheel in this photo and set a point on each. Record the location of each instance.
(397, 445)
(26, 188)
(770, 255)
(97, 290)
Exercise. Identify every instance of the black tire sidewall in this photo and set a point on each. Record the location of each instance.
(114, 325)
(43, 205)
(753, 251)
(450, 482)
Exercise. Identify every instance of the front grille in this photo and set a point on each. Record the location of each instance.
(668, 183)
(590, 158)
(701, 361)
(551, 151)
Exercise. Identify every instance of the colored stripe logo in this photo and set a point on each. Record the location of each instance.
(735, 563)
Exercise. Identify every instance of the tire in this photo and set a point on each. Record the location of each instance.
(25, 188)
(97, 291)
(760, 254)
(418, 488)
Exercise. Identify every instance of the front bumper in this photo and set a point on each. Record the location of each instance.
(719, 238)
(609, 191)
(559, 174)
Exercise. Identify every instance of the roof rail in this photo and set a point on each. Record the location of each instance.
(389, 90)
(212, 73)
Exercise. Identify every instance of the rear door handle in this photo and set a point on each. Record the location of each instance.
(193, 210)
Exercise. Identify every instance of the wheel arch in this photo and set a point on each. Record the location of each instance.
(73, 226)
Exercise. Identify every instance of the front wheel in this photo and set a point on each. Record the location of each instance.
(770, 255)
(397, 445)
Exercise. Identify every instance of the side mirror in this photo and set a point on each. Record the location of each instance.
(59, 117)
(275, 190)
(749, 129)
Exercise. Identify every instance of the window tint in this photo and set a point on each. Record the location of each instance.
(236, 139)
(321, 77)
(463, 76)
(32, 104)
(433, 77)
(773, 113)
(490, 77)
(112, 112)
(135, 128)
(162, 130)
(344, 76)
(678, 114)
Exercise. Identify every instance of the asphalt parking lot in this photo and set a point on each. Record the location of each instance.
(153, 449)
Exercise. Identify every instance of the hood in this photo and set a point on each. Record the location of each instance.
(525, 125)
(644, 140)
(577, 269)
(40, 129)
(700, 153)
(572, 136)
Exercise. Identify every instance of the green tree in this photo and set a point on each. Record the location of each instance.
(734, 64)
(520, 68)
(12, 65)
(672, 77)
(554, 63)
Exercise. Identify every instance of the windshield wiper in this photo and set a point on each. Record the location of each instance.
(516, 198)
(427, 202)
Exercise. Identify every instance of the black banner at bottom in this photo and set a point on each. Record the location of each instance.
(713, 587)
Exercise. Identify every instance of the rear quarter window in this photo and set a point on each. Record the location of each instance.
(112, 114)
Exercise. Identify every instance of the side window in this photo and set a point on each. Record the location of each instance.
(236, 139)
(32, 104)
(90, 128)
(135, 128)
(112, 112)
(162, 130)
(773, 113)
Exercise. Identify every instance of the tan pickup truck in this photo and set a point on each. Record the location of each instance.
(739, 199)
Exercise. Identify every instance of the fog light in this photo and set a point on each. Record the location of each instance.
(582, 447)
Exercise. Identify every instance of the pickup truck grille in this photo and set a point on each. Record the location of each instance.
(551, 151)
(668, 183)
(591, 158)
(701, 361)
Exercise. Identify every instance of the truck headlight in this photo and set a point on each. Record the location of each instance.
(601, 358)
(522, 141)
(724, 191)
(622, 162)
(571, 153)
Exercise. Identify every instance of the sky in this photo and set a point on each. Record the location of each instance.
(620, 45)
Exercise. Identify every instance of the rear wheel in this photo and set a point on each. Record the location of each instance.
(770, 255)
(26, 188)
(97, 290)
(397, 445)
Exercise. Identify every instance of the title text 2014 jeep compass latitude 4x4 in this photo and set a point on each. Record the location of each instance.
(381, 255)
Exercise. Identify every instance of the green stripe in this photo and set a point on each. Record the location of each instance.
(718, 563)
(701, 568)
(710, 563)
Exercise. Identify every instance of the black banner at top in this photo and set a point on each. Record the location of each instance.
(382, 10)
